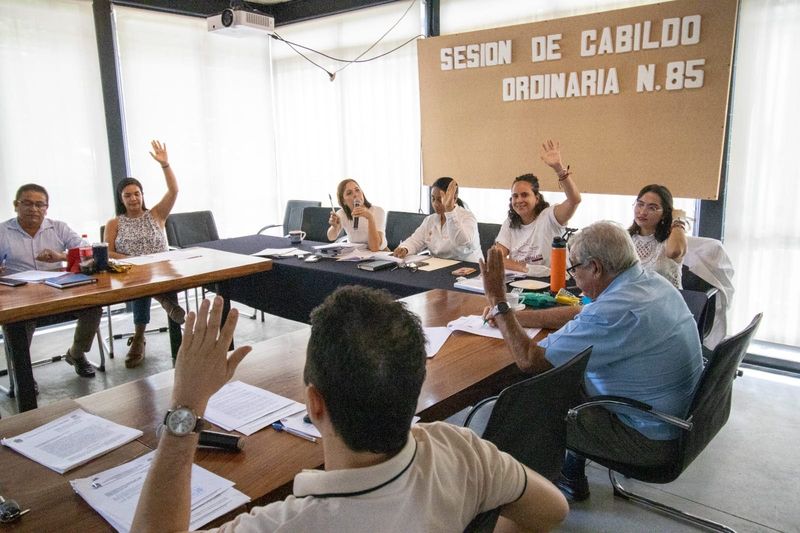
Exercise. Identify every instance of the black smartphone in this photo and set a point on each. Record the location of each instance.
(378, 264)
(9, 282)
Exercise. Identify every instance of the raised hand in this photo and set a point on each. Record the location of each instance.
(551, 154)
(203, 365)
(159, 153)
(450, 196)
(494, 276)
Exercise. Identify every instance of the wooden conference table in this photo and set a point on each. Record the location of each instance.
(466, 369)
(34, 301)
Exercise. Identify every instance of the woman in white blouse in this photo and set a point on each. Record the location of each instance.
(450, 233)
(526, 236)
(361, 221)
(659, 232)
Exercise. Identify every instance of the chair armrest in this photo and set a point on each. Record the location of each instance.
(603, 401)
(268, 227)
(476, 408)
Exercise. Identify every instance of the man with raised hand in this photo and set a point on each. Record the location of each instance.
(365, 366)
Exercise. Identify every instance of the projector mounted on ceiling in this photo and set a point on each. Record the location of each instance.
(240, 23)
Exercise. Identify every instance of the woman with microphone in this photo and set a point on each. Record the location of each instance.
(361, 221)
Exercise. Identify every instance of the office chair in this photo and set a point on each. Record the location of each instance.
(708, 413)
(487, 232)
(707, 265)
(102, 348)
(528, 421)
(315, 223)
(187, 229)
(292, 216)
(400, 225)
(701, 304)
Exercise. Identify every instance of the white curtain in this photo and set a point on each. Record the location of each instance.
(209, 97)
(51, 111)
(762, 216)
(362, 125)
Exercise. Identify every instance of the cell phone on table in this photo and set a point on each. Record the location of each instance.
(463, 271)
(10, 282)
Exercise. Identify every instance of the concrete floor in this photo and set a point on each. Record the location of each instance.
(746, 478)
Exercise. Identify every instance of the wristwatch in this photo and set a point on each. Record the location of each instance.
(500, 308)
(183, 421)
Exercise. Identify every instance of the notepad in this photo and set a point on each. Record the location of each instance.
(70, 280)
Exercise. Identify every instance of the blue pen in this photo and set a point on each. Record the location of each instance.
(277, 426)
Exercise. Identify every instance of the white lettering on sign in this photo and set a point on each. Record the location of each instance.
(475, 55)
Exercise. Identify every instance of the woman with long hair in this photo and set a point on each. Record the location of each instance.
(526, 236)
(354, 205)
(659, 232)
(137, 230)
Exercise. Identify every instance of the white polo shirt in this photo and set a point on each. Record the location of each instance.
(443, 477)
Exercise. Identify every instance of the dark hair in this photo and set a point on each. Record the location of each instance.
(34, 188)
(442, 184)
(120, 207)
(366, 355)
(664, 226)
(340, 197)
(541, 205)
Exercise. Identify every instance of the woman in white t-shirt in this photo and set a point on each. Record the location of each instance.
(361, 221)
(526, 236)
(659, 232)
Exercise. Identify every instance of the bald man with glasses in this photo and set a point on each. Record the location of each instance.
(31, 241)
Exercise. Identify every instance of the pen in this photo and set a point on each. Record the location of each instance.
(3, 262)
(333, 209)
(277, 426)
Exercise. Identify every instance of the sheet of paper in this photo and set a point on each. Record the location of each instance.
(435, 337)
(115, 493)
(474, 324)
(335, 245)
(33, 276)
(71, 440)
(237, 404)
(170, 255)
(435, 263)
(407, 259)
(297, 424)
(470, 284)
(280, 252)
(260, 423)
(356, 254)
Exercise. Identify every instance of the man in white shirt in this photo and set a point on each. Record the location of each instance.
(365, 366)
(32, 242)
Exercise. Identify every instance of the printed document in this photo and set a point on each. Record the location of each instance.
(245, 408)
(435, 337)
(72, 440)
(115, 493)
(474, 324)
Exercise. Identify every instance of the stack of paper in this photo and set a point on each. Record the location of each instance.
(475, 324)
(297, 425)
(115, 493)
(280, 252)
(247, 409)
(72, 440)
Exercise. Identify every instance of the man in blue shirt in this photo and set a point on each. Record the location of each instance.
(32, 242)
(645, 347)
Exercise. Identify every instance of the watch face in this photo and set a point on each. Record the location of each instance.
(181, 421)
(502, 307)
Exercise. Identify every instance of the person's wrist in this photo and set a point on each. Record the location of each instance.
(165, 166)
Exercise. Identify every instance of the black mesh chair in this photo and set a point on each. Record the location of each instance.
(186, 229)
(527, 420)
(487, 232)
(707, 414)
(315, 223)
(400, 225)
(701, 304)
(292, 216)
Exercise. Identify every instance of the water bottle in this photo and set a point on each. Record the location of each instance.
(558, 265)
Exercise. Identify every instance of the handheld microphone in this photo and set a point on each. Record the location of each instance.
(223, 441)
(356, 203)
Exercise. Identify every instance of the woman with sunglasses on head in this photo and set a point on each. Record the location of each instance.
(137, 230)
(451, 232)
(659, 232)
(526, 236)
(361, 221)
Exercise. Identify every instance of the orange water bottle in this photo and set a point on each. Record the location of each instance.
(558, 265)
